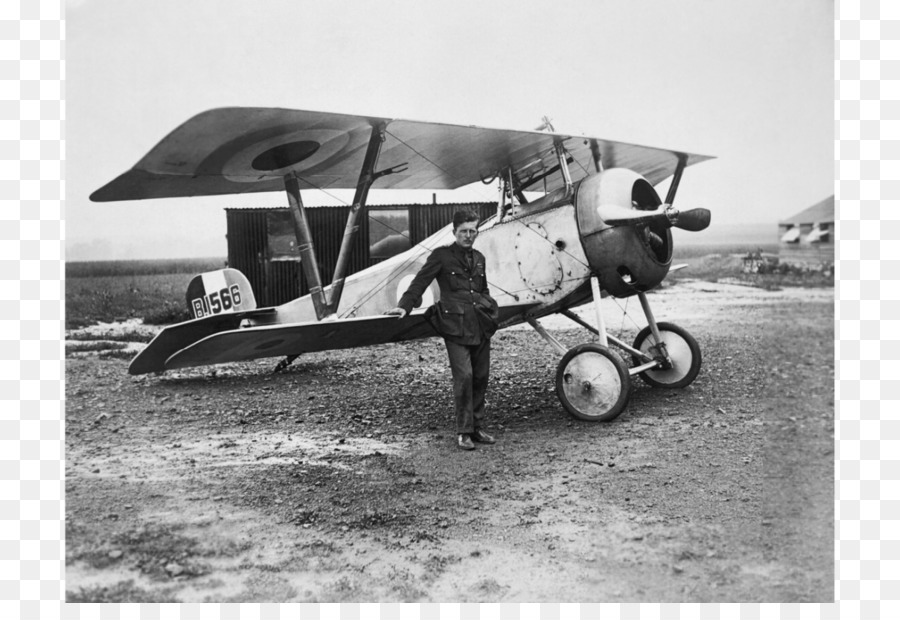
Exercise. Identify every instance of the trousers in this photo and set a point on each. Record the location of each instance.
(470, 366)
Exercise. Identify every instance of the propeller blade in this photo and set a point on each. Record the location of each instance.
(615, 215)
(694, 220)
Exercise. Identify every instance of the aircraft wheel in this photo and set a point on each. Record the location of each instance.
(683, 350)
(592, 383)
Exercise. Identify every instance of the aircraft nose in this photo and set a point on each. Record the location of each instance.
(628, 256)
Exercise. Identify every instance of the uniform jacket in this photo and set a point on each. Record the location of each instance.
(466, 312)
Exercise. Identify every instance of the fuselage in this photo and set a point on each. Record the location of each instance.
(540, 256)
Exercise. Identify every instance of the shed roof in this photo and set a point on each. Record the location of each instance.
(822, 211)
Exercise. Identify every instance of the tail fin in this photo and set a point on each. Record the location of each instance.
(219, 292)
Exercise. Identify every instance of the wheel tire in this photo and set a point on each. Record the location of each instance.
(592, 383)
(683, 350)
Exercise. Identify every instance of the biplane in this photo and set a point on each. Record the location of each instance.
(597, 227)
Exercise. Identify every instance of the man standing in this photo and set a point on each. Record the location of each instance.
(466, 317)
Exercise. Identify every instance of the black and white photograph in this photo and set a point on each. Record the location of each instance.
(470, 302)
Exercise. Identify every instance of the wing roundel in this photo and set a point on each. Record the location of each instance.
(241, 150)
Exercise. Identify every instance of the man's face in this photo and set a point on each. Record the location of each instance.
(466, 233)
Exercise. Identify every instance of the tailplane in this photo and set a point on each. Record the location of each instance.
(218, 301)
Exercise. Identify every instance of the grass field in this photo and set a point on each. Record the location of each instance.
(154, 290)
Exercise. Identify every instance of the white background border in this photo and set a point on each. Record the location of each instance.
(32, 150)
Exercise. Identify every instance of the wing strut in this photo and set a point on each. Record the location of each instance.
(305, 244)
(563, 158)
(676, 178)
(327, 304)
(367, 176)
(595, 153)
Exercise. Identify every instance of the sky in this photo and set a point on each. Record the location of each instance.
(750, 83)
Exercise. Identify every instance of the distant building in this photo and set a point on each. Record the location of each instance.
(263, 246)
(808, 237)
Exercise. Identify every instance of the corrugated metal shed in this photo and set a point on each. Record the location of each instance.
(262, 245)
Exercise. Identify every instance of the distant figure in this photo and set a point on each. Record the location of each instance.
(466, 317)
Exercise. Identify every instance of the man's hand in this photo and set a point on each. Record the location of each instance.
(398, 312)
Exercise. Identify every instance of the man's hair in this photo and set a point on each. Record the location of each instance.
(464, 215)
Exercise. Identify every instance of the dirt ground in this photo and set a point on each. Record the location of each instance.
(339, 479)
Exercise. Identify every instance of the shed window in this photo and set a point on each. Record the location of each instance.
(388, 233)
(792, 235)
(819, 234)
(281, 237)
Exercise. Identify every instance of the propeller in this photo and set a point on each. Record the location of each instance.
(693, 220)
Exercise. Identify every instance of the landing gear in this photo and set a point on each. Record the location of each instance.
(592, 381)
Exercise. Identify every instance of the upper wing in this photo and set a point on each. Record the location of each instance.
(241, 150)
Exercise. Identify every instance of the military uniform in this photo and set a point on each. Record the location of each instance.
(466, 317)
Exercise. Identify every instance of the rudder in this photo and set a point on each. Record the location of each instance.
(219, 292)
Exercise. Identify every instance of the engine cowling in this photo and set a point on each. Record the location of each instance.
(627, 258)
